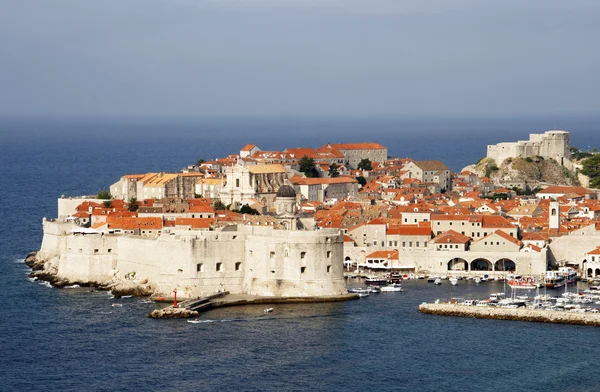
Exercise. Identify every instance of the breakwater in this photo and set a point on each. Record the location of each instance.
(519, 314)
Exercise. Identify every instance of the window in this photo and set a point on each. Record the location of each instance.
(271, 255)
(404, 244)
(328, 269)
(219, 267)
(302, 255)
(238, 266)
(375, 242)
(389, 243)
(445, 246)
(485, 243)
(410, 244)
(417, 244)
(109, 250)
(199, 267)
(425, 244)
(498, 243)
(237, 182)
(302, 270)
(329, 254)
(95, 250)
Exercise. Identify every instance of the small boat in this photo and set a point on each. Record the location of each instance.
(268, 310)
(194, 321)
(454, 281)
(477, 279)
(394, 287)
(375, 280)
(117, 305)
(438, 281)
(362, 295)
(523, 283)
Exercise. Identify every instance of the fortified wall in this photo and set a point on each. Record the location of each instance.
(261, 261)
(551, 144)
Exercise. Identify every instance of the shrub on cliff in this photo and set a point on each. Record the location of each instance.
(591, 168)
(104, 194)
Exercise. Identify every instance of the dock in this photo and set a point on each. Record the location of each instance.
(519, 314)
(193, 307)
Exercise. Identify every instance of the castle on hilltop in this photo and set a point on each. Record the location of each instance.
(551, 144)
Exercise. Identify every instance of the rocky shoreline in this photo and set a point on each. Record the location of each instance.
(45, 270)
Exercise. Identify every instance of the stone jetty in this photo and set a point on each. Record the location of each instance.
(519, 314)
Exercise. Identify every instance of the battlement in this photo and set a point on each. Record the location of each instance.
(553, 144)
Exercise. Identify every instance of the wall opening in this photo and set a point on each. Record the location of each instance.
(199, 267)
(302, 270)
(238, 266)
(328, 269)
(219, 267)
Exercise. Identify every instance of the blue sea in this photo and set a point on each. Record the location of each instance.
(74, 339)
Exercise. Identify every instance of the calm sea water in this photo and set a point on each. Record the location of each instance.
(73, 339)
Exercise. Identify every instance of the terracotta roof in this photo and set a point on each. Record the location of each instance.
(357, 146)
(384, 254)
(558, 189)
(195, 223)
(451, 237)
(534, 236)
(133, 223)
(248, 147)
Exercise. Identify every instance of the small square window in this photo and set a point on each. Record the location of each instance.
(199, 267)
(219, 267)
(238, 266)
(302, 270)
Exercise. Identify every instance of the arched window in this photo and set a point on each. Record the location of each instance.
(553, 212)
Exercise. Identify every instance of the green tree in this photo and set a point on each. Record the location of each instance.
(133, 205)
(104, 194)
(365, 164)
(308, 167)
(107, 203)
(361, 180)
(246, 209)
(200, 162)
(218, 204)
(591, 168)
(333, 170)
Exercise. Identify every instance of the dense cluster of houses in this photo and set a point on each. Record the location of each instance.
(396, 213)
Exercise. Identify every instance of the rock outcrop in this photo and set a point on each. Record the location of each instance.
(171, 312)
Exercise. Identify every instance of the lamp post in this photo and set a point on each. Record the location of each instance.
(175, 298)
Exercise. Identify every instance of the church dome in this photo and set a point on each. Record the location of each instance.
(286, 191)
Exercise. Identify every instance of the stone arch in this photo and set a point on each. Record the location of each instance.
(589, 272)
(505, 264)
(481, 264)
(553, 213)
(597, 272)
(458, 264)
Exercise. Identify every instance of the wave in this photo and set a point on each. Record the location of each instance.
(47, 284)
(19, 261)
(73, 286)
(32, 279)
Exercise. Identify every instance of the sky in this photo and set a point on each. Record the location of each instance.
(299, 57)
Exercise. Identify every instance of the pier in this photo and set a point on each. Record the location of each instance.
(192, 308)
(519, 314)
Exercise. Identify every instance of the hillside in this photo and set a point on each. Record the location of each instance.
(531, 170)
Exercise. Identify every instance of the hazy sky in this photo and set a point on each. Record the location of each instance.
(299, 57)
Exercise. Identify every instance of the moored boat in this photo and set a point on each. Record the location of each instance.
(454, 281)
(394, 287)
(523, 283)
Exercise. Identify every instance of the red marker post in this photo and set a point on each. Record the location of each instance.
(175, 298)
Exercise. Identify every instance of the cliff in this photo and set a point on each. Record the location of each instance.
(533, 171)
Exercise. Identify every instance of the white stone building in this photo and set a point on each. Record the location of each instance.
(551, 144)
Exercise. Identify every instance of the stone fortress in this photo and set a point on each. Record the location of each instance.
(287, 259)
(553, 144)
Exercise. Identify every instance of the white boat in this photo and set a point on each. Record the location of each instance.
(437, 281)
(394, 287)
(454, 281)
(194, 321)
(117, 305)
(268, 310)
(477, 279)
(362, 295)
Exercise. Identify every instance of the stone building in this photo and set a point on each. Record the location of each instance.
(355, 152)
(245, 182)
(551, 144)
(430, 172)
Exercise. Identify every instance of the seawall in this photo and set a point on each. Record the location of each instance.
(519, 314)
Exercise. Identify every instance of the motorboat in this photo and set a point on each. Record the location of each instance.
(268, 310)
(394, 287)
(437, 281)
(362, 295)
(454, 281)
(523, 283)
(477, 279)
(375, 280)
(194, 321)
